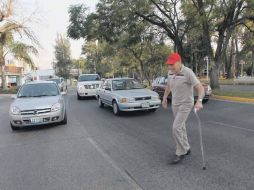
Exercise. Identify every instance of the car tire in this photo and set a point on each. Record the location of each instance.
(78, 97)
(205, 100)
(64, 122)
(116, 109)
(101, 104)
(14, 128)
(152, 110)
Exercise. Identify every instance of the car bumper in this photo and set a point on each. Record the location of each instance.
(31, 120)
(87, 92)
(135, 106)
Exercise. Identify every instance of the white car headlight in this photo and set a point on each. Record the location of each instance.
(15, 110)
(80, 87)
(56, 107)
(209, 88)
(155, 97)
(123, 100)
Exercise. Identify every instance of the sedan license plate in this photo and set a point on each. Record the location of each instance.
(36, 120)
(145, 105)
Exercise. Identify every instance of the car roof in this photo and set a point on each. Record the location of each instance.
(89, 74)
(119, 78)
(40, 82)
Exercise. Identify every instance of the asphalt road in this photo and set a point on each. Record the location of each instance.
(100, 151)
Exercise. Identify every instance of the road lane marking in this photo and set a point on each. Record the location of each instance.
(123, 173)
(232, 126)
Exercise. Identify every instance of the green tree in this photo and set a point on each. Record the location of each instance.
(62, 65)
(8, 43)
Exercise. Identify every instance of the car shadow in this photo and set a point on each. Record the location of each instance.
(39, 127)
(131, 113)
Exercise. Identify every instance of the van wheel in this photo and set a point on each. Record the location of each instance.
(101, 104)
(78, 97)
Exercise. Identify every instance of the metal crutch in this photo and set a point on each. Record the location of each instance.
(201, 139)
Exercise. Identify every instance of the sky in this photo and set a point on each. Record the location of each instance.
(46, 19)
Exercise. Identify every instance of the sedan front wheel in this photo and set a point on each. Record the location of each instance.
(116, 108)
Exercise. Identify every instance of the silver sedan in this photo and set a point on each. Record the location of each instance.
(37, 103)
(126, 94)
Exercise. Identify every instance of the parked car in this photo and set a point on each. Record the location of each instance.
(159, 85)
(126, 94)
(60, 82)
(37, 103)
(87, 85)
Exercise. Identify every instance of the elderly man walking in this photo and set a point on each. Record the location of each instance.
(181, 81)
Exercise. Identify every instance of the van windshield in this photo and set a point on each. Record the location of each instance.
(89, 78)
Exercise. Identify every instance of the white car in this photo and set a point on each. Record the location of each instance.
(126, 94)
(87, 85)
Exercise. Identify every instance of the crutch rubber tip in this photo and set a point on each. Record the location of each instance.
(204, 168)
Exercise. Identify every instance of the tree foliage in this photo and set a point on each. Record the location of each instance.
(62, 65)
(194, 28)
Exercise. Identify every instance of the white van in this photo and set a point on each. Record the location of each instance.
(87, 85)
(40, 75)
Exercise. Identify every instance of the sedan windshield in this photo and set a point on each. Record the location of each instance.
(38, 90)
(126, 84)
(89, 78)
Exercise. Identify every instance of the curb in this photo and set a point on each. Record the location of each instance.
(6, 95)
(234, 99)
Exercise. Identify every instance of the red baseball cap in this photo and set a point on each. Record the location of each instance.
(173, 58)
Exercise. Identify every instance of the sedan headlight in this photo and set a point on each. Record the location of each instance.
(123, 100)
(56, 107)
(154, 98)
(15, 110)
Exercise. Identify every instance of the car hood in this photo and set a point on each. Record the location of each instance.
(135, 93)
(36, 102)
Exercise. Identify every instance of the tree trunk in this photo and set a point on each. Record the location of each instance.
(252, 65)
(214, 77)
(237, 55)
(2, 64)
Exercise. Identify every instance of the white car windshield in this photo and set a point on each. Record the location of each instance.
(38, 90)
(126, 84)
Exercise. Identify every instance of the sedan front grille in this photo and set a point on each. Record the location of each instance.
(36, 111)
(143, 98)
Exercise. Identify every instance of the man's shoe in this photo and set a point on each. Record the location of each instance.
(177, 159)
(188, 152)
